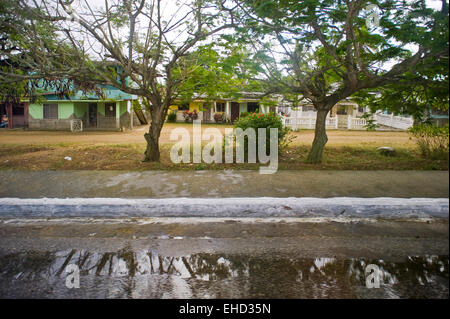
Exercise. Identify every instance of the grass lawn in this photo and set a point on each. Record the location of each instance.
(43, 150)
(129, 157)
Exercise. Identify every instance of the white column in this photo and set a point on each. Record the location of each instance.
(130, 111)
(118, 115)
(213, 110)
(349, 122)
(227, 109)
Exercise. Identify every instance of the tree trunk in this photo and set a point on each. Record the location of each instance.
(320, 138)
(152, 137)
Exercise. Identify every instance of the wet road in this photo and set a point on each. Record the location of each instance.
(222, 240)
(223, 258)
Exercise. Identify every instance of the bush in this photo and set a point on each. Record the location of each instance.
(432, 140)
(172, 117)
(245, 114)
(269, 120)
(190, 116)
(219, 117)
(371, 124)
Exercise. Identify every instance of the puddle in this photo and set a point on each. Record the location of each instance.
(146, 274)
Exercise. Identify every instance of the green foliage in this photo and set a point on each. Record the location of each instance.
(206, 73)
(267, 121)
(136, 105)
(433, 141)
(318, 61)
(427, 88)
(12, 91)
(370, 122)
(172, 117)
(31, 45)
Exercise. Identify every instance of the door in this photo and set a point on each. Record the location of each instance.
(92, 114)
(19, 115)
(234, 111)
(3, 115)
(342, 115)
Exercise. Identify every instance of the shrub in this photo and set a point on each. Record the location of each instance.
(432, 140)
(190, 116)
(172, 117)
(245, 114)
(218, 117)
(269, 120)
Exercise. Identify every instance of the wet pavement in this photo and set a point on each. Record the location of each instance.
(223, 258)
(228, 183)
(224, 234)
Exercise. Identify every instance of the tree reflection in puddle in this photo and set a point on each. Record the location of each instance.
(145, 274)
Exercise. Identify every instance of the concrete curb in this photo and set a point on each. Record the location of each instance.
(381, 207)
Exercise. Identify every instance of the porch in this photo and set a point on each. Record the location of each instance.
(80, 115)
(16, 114)
(230, 110)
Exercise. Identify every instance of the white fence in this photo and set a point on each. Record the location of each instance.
(296, 123)
(353, 123)
(398, 122)
(356, 123)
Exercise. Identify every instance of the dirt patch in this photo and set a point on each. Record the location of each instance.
(335, 137)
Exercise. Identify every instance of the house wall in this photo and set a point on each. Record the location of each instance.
(124, 116)
(197, 106)
(68, 111)
(81, 112)
(65, 114)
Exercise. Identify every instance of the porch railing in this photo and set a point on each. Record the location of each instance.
(356, 123)
(296, 123)
(391, 120)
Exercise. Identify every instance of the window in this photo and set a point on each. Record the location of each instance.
(342, 110)
(110, 110)
(51, 111)
(220, 107)
(252, 107)
(183, 107)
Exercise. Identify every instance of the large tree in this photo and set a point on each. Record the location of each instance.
(150, 40)
(326, 51)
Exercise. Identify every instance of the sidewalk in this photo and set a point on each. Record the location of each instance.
(217, 184)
